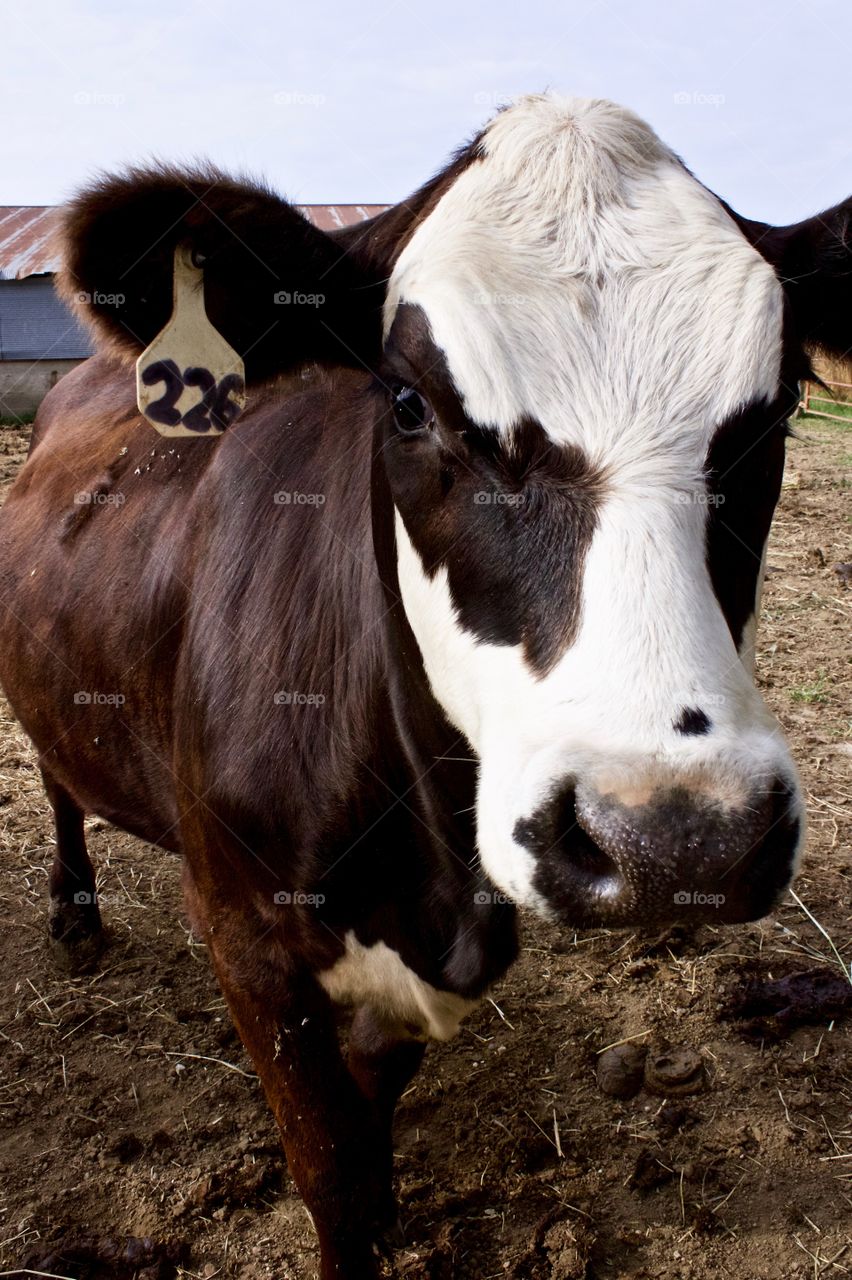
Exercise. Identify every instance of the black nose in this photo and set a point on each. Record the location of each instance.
(677, 857)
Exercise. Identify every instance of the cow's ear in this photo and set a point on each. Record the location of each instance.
(280, 291)
(814, 263)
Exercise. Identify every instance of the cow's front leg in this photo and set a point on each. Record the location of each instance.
(332, 1134)
(382, 1062)
(74, 925)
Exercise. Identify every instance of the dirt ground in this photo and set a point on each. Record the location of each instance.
(128, 1109)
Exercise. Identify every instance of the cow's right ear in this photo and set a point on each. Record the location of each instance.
(280, 291)
(813, 260)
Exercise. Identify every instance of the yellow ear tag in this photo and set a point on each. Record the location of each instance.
(190, 381)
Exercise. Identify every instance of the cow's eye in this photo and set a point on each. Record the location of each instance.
(411, 411)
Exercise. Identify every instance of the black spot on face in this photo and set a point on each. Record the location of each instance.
(744, 466)
(692, 722)
(509, 515)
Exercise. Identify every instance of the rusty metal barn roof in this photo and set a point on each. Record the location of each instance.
(27, 246)
(25, 241)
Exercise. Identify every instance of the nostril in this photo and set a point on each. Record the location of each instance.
(782, 799)
(692, 722)
(555, 835)
(589, 859)
(768, 865)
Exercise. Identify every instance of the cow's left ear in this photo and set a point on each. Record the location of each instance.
(280, 291)
(814, 263)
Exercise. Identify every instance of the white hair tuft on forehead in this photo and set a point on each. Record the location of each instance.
(571, 153)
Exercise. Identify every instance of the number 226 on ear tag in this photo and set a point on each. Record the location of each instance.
(190, 381)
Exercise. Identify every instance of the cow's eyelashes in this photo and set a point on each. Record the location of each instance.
(412, 412)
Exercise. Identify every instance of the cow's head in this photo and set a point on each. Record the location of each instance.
(587, 366)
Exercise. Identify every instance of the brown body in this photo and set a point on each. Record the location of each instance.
(146, 632)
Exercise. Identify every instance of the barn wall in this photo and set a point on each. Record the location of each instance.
(40, 340)
(35, 323)
(25, 383)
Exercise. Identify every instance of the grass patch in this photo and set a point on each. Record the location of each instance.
(842, 409)
(816, 691)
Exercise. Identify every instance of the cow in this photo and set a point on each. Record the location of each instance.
(457, 617)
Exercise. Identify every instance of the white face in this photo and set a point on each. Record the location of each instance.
(577, 276)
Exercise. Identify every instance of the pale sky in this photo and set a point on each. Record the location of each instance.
(337, 102)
